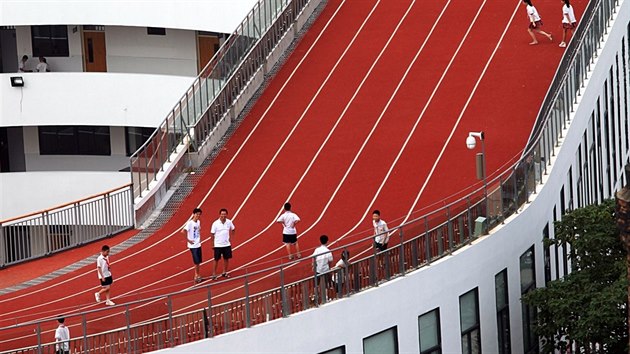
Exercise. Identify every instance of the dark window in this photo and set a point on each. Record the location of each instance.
(625, 89)
(135, 137)
(81, 140)
(50, 41)
(528, 283)
(503, 312)
(156, 31)
(547, 254)
(429, 329)
(338, 350)
(555, 246)
(469, 322)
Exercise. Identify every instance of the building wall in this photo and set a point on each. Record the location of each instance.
(209, 15)
(399, 302)
(94, 98)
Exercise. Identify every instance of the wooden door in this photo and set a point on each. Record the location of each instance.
(94, 53)
(206, 46)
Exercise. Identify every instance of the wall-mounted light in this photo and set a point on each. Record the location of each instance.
(17, 81)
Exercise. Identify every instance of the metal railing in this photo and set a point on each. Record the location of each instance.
(245, 301)
(53, 230)
(212, 95)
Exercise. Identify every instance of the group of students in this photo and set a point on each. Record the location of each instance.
(42, 66)
(569, 22)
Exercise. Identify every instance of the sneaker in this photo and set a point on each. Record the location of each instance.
(298, 255)
(97, 296)
(214, 277)
(562, 45)
(225, 275)
(198, 280)
(109, 303)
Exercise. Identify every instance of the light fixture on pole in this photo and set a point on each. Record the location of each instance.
(471, 143)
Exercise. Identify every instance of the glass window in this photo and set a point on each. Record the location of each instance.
(338, 350)
(469, 322)
(156, 31)
(528, 283)
(135, 137)
(382, 342)
(50, 41)
(429, 329)
(547, 255)
(67, 140)
(503, 312)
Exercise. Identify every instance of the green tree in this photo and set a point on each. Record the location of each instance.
(588, 306)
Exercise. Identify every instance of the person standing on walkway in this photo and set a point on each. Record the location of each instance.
(222, 229)
(192, 230)
(104, 275)
(380, 231)
(569, 23)
(289, 233)
(322, 257)
(535, 23)
(62, 337)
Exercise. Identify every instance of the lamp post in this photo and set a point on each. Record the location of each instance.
(471, 142)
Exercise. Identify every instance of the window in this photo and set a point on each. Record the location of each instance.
(338, 350)
(82, 140)
(156, 31)
(528, 283)
(555, 246)
(503, 312)
(429, 329)
(135, 137)
(382, 342)
(469, 322)
(547, 254)
(50, 41)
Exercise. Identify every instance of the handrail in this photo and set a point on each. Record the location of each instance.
(66, 204)
(434, 234)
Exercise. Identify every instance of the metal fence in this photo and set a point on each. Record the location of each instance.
(212, 95)
(52, 230)
(268, 294)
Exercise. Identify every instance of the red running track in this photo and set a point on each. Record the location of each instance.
(370, 111)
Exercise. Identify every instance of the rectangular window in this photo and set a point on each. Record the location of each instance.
(338, 350)
(81, 140)
(570, 180)
(528, 283)
(136, 137)
(469, 322)
(626, 73)
(429, 329)
(50, 41)
(382, 342)
(547, 255)
(156, 31)
(555, 247)
(503, 312)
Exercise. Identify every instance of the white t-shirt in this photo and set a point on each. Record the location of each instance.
(193, 228)
(568, 11)
(21, 67)
(380, 227)
(41, 67)
(532, 13)
(323, 257)
(102, 262)
(221, 232)
(288, 220)
(62, 336)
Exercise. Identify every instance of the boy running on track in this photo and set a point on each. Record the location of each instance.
(535, 23)
(222, 229)
(104, 275)
(193, 238)
(289, 234)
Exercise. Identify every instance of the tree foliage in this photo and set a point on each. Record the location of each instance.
(588, 306)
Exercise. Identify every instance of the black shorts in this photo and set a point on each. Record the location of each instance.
(196, 255)
(107, 281)
(380, 246)
(225, 252)
(289, 238)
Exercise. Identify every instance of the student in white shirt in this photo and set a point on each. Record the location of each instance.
(322, 257)
(104, 275)
(380, 231)
(62, 338)
(22, 65)
(569, 23)
(289, 233)
(42, 67)
(222, 229)
(192, 230)
(535, 23)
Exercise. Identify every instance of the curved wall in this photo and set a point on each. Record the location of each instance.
(208, 15)
(399, 302)
(89, 99)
